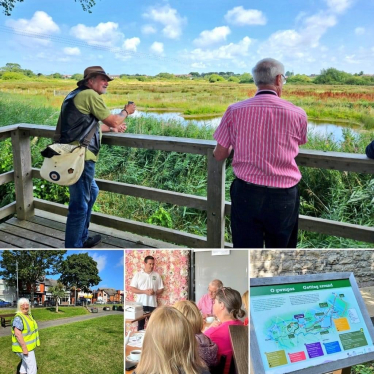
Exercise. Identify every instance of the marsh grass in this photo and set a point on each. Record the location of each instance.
(89, 347)
(345, 197)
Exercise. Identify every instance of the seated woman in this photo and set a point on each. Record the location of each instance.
(169, 345)
(207, 349)
(227, 308)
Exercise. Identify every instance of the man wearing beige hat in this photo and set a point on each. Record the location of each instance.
(81, 112)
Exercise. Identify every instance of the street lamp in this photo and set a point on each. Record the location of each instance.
(17, 278)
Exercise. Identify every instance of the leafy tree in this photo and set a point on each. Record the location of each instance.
(166, 75)
(33, 266)
(234, 79)
(216, 78)
(58, 292)
(8, 5)
(77, 76)
(194, 74)
(332, 76)
(289, 73)
(246, 78)
(12, 76)
(10, 66)
(80, 271)
(299, 78)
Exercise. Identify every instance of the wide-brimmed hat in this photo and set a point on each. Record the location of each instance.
(91, 71)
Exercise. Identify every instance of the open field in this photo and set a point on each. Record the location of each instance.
(354, 104)
(89, 347)
(345, 197)
(49, 314)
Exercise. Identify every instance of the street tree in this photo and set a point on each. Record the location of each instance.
(58, 292)
(33, 266)
(8, 5)
(79, 271)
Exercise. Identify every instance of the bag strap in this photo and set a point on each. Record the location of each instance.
(86, 140)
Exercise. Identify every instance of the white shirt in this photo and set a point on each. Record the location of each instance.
(144, 281)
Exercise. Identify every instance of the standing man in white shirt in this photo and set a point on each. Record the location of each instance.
(147, 284)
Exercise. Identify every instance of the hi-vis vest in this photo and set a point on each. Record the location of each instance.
(30, 334)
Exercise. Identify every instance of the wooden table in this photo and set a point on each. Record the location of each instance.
(128, 322)
(239, 342)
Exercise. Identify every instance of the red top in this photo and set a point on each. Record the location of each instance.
(265, 132)
(221, 336)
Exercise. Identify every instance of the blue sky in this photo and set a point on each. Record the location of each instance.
(149, 37)
(110, 265)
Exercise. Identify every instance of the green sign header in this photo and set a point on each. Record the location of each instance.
(281, 289)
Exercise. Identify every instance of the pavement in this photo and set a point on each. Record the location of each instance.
(7, 331)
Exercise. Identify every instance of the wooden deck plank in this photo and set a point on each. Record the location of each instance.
(107, 240)
(5, 245)
(33, 235)
(121, 234)
(18, 241)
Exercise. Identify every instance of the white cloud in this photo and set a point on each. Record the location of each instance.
(40, 23)
(339, 6)
(120, 263)
(298, 43)
(245, 17)
(131, 44)
(169, 18)
(148, 29)
(198, 65)
(225, 52)
(359, 30)
(209, 37)
(101, 261)
(157, 48)
(105, 34)
(72, 51)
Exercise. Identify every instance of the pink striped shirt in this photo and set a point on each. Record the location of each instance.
(265, 132)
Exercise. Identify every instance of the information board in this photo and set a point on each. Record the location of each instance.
(307, 321)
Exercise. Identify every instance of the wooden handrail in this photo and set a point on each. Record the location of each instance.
(214, 203)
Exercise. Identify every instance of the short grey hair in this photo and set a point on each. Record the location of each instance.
(216, 283)
(22, 301)
(266, 70)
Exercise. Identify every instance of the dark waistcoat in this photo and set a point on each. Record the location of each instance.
(75, 125)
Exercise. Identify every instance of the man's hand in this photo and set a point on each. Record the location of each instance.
(121, 128)
(130, 108)
(150, 292)
(25, 351)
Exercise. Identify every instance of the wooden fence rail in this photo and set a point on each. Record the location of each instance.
(214, 203)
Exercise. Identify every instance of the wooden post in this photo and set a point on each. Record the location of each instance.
(216, 202)
(22, 173)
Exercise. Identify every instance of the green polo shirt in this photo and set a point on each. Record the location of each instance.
(90, 102)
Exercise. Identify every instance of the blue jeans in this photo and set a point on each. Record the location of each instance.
(82, 198)
(261, 214)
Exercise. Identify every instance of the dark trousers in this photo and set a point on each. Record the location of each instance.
(146, 309)
(261, 214)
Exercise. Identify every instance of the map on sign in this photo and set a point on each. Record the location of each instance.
(307, 324)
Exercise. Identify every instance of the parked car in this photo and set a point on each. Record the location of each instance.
(4, 303)
(100, 302)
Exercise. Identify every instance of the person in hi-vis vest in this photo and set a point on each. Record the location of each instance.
(25, 337)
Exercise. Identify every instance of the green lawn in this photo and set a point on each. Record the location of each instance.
(89, 347)
(49, 314)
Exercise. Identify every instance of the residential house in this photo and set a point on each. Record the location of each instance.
(7, 293)
(108, 294)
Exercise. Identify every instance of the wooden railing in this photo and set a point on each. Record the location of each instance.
(214, 203)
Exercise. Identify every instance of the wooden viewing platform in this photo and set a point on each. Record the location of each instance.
(31, 211)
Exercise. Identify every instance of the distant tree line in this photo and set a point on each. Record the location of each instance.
(13, 71)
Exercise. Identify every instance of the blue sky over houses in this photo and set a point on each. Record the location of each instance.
(149, 37)
(110, 264)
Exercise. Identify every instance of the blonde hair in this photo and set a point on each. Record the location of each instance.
(190, 310)
(245, 300)
(169, 345)
(20, 302)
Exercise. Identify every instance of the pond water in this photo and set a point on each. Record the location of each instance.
(334, 129)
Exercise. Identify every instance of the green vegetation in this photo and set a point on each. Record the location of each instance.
(90, 347)
(49, 314)
(334, 195)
